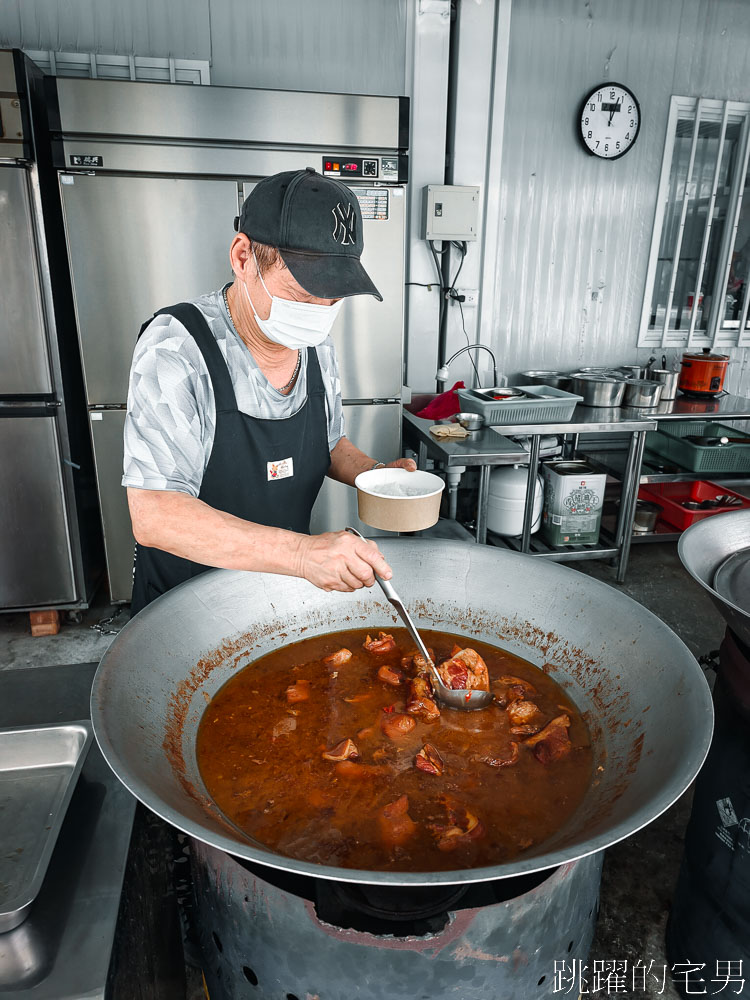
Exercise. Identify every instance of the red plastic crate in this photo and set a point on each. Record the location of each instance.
(669, 496)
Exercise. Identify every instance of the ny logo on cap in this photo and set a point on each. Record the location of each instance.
(344, 223)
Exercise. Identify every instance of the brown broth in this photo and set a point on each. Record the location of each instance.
(270, 780)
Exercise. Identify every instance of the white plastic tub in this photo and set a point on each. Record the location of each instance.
(507, 500)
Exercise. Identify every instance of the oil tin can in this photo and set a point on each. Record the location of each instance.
(573, 499)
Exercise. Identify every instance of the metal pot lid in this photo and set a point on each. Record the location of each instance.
(732, 580)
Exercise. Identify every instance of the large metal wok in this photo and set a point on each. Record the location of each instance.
(646, 700)
(705, 546)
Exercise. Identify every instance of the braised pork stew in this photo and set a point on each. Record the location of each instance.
(333, 750)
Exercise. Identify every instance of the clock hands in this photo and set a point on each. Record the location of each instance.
(612, 109)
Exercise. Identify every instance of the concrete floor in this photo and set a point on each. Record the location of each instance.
(639, 874)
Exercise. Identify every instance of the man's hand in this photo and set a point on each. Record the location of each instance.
(403, 463)
(338, 560)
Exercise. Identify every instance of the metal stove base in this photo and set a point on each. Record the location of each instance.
(261, 937)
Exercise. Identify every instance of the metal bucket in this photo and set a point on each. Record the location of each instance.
(645, 698)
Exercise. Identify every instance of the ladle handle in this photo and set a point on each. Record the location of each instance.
(385, 585)
(390, 592)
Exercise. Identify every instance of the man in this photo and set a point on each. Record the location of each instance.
(234, 407)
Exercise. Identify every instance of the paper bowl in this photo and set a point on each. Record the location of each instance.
(398, 513)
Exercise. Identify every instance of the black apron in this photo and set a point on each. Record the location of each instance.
(247, 472)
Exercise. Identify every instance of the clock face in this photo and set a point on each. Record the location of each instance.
(610, 120)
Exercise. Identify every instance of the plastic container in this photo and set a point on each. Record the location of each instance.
(507, 500)
(396, 512)
(529, 408)
(669, 442)
(669, 496)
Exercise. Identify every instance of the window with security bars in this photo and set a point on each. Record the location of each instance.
(696, 291)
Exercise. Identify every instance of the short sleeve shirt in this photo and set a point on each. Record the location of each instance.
(171, 413)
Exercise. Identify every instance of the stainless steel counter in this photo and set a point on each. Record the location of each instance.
(722, 408)
(484, 447)
(491, 446)
(62, 950)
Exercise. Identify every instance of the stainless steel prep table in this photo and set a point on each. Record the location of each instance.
(485, 448)
(724, 408)
(491, 447)
(721, 410)
(62, 950)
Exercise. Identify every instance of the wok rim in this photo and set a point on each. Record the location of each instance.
(666, 796)
(681, 545)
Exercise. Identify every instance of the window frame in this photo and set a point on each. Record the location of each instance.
(717, 334)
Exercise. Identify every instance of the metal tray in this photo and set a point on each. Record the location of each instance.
(39, 767)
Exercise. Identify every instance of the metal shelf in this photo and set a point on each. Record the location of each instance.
(614, 467)
(664, 534)
(556, 553)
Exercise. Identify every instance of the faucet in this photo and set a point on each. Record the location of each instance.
(442, 373)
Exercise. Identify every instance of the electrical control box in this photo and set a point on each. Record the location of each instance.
(451, 212)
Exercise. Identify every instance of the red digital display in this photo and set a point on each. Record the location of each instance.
(350, 166)
(329, 165)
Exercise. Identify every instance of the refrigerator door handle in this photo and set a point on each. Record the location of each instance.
(29, 407)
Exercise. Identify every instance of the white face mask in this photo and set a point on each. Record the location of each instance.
(294, 324)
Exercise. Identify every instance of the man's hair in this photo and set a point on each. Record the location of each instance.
(267, 256)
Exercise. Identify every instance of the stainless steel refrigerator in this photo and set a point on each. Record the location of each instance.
(151, 177)
(48, 513)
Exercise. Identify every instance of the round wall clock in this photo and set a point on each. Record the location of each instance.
(609, 121)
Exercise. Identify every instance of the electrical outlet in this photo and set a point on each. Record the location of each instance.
(471, 296)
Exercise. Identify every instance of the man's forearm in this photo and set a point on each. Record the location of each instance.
(347, 461)
(188, 527)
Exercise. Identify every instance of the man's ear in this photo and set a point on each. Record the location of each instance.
(240, 254)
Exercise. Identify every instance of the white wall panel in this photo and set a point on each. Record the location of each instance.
(137, 27)
(575, 231)
(354, 46)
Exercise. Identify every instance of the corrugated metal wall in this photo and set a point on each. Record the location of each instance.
(355, 46)
(575, 231)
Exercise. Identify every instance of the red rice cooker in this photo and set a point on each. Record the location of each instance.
(703, 373)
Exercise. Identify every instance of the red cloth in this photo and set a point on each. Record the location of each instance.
(444, 405)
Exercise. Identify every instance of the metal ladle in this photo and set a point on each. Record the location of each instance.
(462, 699)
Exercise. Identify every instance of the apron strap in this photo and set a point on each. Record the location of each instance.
(195, 323)
(314, 374)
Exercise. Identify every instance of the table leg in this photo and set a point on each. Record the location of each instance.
(626, 481)
(528, 514)
(421, 455)
(484, 494)
(570, 446)
(632, 495)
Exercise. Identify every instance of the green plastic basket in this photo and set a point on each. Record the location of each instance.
(669, 442)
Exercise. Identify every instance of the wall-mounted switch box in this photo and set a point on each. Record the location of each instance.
(451, 212)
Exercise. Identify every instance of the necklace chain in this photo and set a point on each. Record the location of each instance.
(297, 367)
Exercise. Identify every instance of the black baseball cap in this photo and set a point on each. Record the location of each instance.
(316, 224)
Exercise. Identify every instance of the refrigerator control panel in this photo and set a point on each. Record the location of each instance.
(375, 168)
